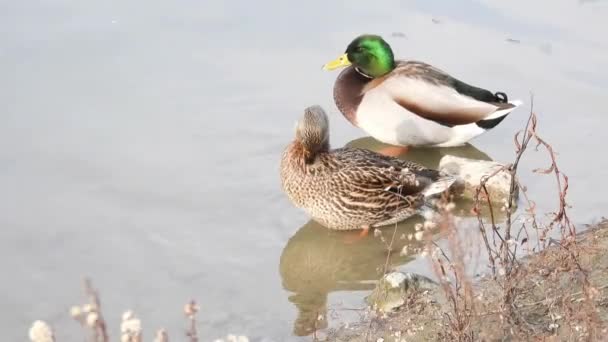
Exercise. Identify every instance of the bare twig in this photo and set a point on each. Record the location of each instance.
(190, 310)
(95, 318)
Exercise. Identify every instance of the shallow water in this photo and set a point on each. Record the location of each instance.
(139, 145)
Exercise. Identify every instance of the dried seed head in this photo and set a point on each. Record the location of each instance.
(234, 338)
(131, 326)
(429, 225)
(191, 309)
(161, 336)
(92, 319)
(75, 311)
(127, 315)
(40, 331)
(89, 308)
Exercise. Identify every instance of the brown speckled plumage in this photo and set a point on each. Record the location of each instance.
(350, 188)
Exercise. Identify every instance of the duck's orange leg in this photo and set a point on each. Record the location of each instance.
(352, 239)
(394, 151)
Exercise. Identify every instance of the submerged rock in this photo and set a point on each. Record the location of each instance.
(428, 157)
(471, 171)
(393, 288)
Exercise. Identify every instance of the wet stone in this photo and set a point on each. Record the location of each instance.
(392, 290)
(471, 172)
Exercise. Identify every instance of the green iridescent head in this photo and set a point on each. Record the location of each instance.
(370, 54)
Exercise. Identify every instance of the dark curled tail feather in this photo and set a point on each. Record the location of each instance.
(501, 97)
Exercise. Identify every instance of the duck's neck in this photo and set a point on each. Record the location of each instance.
(362, 73)
(348, 92)
(298, 158)
(378, 67)
(308, 151)
(300, 154)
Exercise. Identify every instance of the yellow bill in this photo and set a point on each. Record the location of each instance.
(339, 62)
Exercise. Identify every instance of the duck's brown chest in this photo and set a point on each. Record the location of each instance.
(348, 93)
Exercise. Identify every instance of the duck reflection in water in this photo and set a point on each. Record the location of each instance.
(427, 156)
(316, 262)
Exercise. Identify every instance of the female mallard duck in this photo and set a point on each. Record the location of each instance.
(350, 188)
(408, 103)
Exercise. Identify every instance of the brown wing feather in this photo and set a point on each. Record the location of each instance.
(371, 171)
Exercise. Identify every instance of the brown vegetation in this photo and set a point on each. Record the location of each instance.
(554, 290)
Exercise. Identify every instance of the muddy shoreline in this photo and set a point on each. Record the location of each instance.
(553, 300)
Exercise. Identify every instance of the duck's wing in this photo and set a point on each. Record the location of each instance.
(434, 95)
(365, 172)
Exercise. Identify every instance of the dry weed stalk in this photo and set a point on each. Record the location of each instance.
(89, 315)
(450, 270)
(502, 252)
(502, 249)
(190, 310)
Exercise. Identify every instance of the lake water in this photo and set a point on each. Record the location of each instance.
(140, 143)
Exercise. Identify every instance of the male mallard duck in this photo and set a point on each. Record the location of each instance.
(351, 188)
(409, 103)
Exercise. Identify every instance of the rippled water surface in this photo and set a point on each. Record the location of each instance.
(140, 141)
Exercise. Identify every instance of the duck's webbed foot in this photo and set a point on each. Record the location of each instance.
(363, 233)
(394, 151)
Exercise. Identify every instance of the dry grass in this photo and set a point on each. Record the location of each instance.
(544, 281)
(510, 276)
(90, 317)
